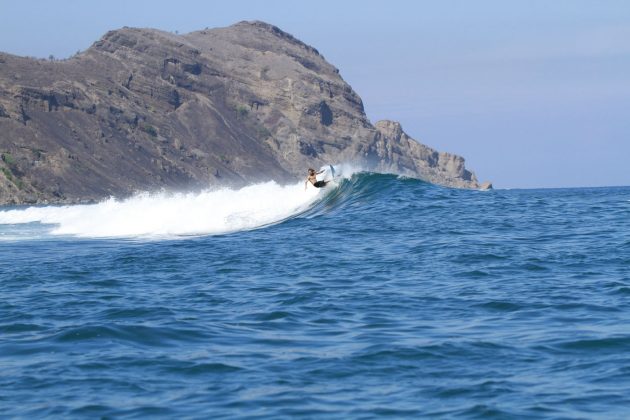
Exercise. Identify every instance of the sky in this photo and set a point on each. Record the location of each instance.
(533, 93)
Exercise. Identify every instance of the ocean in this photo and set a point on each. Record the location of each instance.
(380, 296)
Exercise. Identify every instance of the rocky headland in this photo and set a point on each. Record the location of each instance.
(145, 110)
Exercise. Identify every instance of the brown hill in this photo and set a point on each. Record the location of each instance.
(144, 109)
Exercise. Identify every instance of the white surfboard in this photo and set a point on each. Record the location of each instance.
(327, 173)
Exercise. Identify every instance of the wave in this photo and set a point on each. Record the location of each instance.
(163, 215)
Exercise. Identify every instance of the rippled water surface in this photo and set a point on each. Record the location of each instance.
(385, 296)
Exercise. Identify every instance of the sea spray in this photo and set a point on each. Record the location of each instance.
(163, 214)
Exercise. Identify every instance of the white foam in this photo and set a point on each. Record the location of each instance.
(164, 215)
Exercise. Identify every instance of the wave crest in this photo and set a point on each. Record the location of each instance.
(209, 212)
(164, 214)
(169, 214)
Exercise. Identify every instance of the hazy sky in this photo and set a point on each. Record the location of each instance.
(531, 93)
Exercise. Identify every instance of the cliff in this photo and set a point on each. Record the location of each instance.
(144, 109)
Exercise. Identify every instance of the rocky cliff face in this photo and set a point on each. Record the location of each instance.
(144, 109)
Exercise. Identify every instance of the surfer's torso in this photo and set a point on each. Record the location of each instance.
(312, 177)
(317, 184)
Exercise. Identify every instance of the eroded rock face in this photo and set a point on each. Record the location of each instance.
(400, 154)
(144, 109)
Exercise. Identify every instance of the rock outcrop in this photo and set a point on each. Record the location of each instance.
(144, 109)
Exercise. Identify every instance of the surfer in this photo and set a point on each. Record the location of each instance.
(312, 178)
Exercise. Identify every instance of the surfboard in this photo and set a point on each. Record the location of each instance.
(327, 173)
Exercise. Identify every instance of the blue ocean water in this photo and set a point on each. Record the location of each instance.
(382, 296)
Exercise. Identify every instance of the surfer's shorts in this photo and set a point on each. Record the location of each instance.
(320, 184)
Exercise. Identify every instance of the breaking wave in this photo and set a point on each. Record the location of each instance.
(163, 215)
